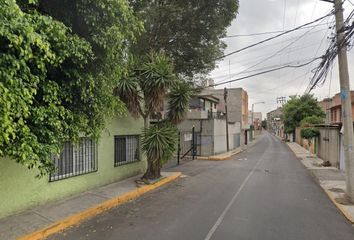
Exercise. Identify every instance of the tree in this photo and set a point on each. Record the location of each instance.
(188, 31)
(144, 90)
(311, 120)
(309, 133)
(55, 83)
(298, 108)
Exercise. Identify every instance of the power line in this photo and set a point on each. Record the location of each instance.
(254, 59)
(318, 49)
(260, 69)
(264, 72)
(276, 53)
(267, 33)
(321, 72)
(273, 45)
(271, 38)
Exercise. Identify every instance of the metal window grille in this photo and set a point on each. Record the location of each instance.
(75, 160)
(126, 149)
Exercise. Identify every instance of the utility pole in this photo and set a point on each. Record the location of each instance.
(227, 120)
(345, 99)
(281, 100)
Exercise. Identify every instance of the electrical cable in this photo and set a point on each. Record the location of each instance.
(276, 36)
(245, 62)
(321, 72)
(263, 33)
(261, 73)
(276, 53)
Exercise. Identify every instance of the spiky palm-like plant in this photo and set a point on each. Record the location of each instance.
(159, 143)
(144, 90)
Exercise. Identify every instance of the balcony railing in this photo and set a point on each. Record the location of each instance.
(216, 115)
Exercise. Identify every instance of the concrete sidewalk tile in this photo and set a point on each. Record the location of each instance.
(115, 189)
(72, 211)
(14, 226)
(328, 174)
(64, 208)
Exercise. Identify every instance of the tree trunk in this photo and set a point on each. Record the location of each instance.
(146, 122)
(153, 171)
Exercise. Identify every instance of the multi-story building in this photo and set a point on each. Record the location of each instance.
(333, 108)
(207, 114)
(237, 104)
(274, 122)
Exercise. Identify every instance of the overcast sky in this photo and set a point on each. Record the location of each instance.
(258, 16)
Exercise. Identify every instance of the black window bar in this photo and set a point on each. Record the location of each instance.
(126, 149)
(75, 160)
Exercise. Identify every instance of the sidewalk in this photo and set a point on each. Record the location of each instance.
(47, 219)
(331, 179)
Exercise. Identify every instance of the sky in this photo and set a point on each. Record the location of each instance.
(259, 16)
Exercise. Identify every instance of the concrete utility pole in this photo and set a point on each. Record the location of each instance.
(345, 98)
(227, 120)
(281, 100)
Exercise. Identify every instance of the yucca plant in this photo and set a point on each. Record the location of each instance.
(159, 144)
(144, 89)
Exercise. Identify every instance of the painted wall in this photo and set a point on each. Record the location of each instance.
(327, 144)
(20, 189)
(237, 104)
(220, 135)
(213, 135)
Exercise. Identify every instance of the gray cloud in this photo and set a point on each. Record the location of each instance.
(268, 15)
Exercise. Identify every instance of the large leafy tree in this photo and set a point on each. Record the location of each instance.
(146, 87)
(299, 108)
(189, 32)
(55, 81)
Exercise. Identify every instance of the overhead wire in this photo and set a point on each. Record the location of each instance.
(253, 60)
(275, 54)
(318, 49)
(276, 36)
(264, 33)
(261, 73)
(321, 71)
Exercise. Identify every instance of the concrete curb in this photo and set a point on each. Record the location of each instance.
(221, 157)
(99, 208)
(330, 195)
(346, 214)
(228, 155)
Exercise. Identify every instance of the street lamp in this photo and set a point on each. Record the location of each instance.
(252, 116)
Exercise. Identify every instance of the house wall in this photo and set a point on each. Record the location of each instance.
(20, 189)
(213, 135)
(237, 106)
(328, 146)
(220, 145)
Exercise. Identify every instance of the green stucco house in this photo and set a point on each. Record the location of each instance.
(114, 157)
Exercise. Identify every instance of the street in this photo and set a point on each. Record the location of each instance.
(262, 193)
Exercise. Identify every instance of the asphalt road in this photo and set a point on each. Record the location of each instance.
(262, 193)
